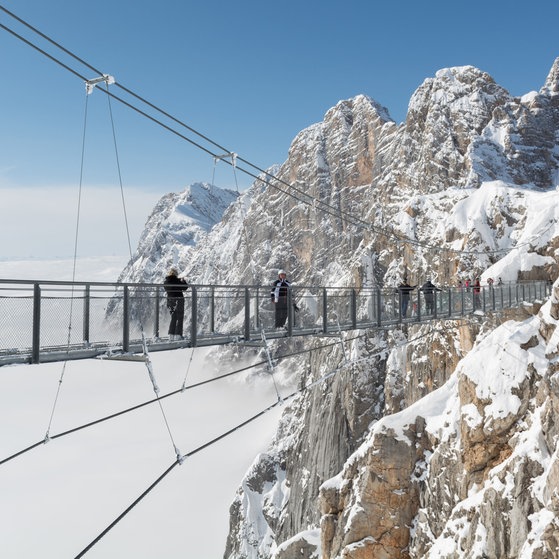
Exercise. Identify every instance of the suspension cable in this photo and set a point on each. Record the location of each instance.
(147, 359)
(119, 175)
(202, 383)
(159, 397)
(75, 257)
(173, 465)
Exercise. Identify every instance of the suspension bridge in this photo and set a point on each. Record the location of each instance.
(49, 321)
(45, 321)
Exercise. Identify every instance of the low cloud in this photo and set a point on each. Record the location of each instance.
(41, 222)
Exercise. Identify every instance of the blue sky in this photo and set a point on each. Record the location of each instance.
(249, 75)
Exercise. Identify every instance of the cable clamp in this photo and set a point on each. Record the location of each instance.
(231, 154)
(180, 457)
(90, 84)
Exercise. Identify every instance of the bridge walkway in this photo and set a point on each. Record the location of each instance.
(45, 321)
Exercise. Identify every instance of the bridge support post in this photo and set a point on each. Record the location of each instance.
(212, 309)
(125, 320)
(256, 308)
(86, 313)
(379, 308)
(353, 308)
(157, 311)
(290, 312)
(194, 317)
(247, 314)
(36, 337)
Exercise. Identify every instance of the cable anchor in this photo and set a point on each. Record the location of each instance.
(90, 84)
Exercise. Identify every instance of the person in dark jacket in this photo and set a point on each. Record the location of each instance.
(174, 287)
(429, 290)
(279, 297)
(405, 290)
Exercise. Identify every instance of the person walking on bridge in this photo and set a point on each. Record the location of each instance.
(405, 290)
(429, 293)
(174, 287)
(279, 297)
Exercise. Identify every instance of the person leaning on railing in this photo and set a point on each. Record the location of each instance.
(174, 287)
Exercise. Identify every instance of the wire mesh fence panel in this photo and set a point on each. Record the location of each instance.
(104, 329)
(366, 306)
(61, 320)
(338, 308)
(141, 314)
(309, 303)
(388, 305)
(16, 323)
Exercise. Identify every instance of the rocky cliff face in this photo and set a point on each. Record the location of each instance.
(465, 187)
(467, 471)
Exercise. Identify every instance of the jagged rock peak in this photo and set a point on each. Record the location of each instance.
(359, 102)
(551, 86)
(177, 223)
(460, 89)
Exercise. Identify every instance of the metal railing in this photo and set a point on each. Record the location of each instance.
(51, 321)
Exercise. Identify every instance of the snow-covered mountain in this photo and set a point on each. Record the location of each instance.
(177, 223)
(405, 448)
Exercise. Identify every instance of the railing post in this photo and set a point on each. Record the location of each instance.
(483, 294)
(157, 311)
(449, 302)
(194, 317)
(36, 336)
(247, 314)
(379, 307)
(125, 320)
(212, 309)
(86, 313)
(257, 308)
(324, 311)
(290, 312)
(353, 308)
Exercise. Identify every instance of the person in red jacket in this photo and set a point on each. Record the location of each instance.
(477, 291)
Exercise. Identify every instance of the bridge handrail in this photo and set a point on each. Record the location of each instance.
(237, 286)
